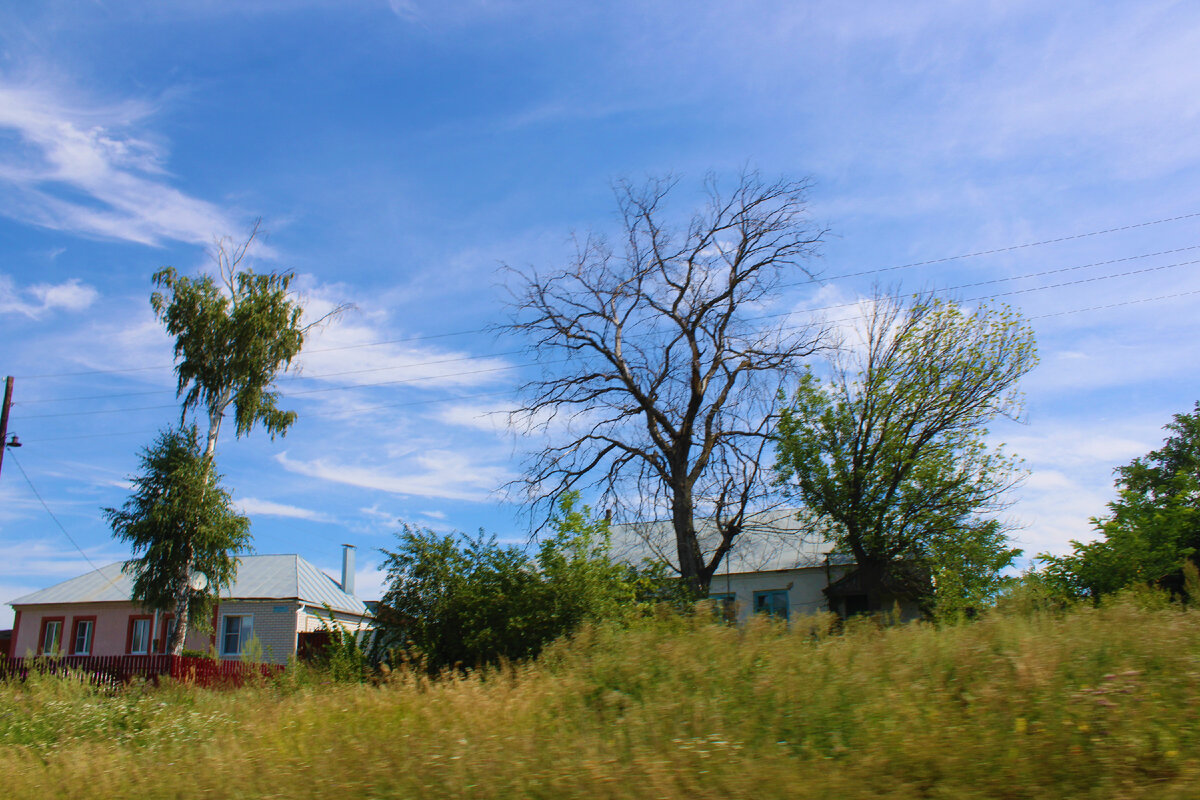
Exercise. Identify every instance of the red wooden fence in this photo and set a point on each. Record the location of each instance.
(117, 670)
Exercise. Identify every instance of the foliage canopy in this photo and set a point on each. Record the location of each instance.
(891, 448)
(179, 523)
(231, 341)
(465, 602)
(1152, 527)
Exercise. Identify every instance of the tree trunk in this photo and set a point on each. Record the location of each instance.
(214, 430)
(184, 591)
(691, 561)
(182, 599)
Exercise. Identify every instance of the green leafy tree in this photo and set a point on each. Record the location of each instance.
(466, 602)
(891, 448)
(232, 340)
(1152, 528)
(180, 524)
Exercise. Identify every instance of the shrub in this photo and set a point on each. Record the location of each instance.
(465, 602)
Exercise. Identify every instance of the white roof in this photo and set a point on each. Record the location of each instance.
(782, 538)
(274, 577)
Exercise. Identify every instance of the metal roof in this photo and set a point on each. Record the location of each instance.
(781, 538)
(271, 577)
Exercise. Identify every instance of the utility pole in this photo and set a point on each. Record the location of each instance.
(4, 445)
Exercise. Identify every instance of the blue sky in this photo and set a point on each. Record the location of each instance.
(399, 152)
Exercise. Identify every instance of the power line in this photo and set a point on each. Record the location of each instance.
(1116, 305)
(509, 367)
(1011, 248)
(1026, 276)
(307, 415)
(459, 359)
(927, 262)
(510, 392)
(301, 393)
(70, 538)
(292, 378)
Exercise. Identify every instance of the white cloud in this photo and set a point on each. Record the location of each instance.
(70, 295)
(90, 150)
(362, 348)
(252, 506)
(1054, 508)
(439, 474)
(370, 582)
(1074, 446)
(478, 416)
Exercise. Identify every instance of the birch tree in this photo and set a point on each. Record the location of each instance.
(234, 335)
(180, 524)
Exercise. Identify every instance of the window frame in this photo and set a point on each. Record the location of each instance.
(166, 629)
(724, 605)
(133, 620)
(41, 644)
(245, 634)
(787, 600)
(76, 622)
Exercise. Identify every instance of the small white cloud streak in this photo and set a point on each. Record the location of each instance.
(252, 506)
(345, 351)
(438, 474)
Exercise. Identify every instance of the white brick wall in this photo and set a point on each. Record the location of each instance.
(275, 625)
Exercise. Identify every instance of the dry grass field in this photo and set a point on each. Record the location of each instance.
(1090, 703)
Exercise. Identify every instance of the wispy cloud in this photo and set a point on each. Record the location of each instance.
(70, 148)
(439, 474)
(253, 507)
(40, 298)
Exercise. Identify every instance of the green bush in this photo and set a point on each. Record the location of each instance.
(464, 602)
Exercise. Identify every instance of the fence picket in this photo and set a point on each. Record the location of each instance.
(118, 670)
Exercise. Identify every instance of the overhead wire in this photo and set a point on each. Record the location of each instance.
(927, 262)
(510, 392)
(61, 527)
(510, 367)
(459, 359)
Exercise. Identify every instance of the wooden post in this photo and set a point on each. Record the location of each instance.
(8, 384)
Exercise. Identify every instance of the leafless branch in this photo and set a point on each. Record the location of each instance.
(669, 390)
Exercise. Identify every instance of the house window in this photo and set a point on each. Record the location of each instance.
(724, 604)
(139, 635)
(51, 638)
(774, 602)
(168, 634)
(235, 634)
(81, 638)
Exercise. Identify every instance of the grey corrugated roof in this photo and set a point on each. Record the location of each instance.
(782, 538)
(258, 577)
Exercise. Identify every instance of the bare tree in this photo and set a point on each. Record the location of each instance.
(663, 395)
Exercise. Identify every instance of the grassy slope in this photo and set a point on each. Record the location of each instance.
(1097, 703)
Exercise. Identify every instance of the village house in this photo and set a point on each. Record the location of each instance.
(781, 565)
(274, 606)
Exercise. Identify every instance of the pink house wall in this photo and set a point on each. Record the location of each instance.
(109, 638)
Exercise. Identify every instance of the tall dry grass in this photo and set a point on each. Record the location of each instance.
(1092, 703)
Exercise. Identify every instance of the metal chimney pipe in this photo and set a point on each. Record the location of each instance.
(348, 569)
